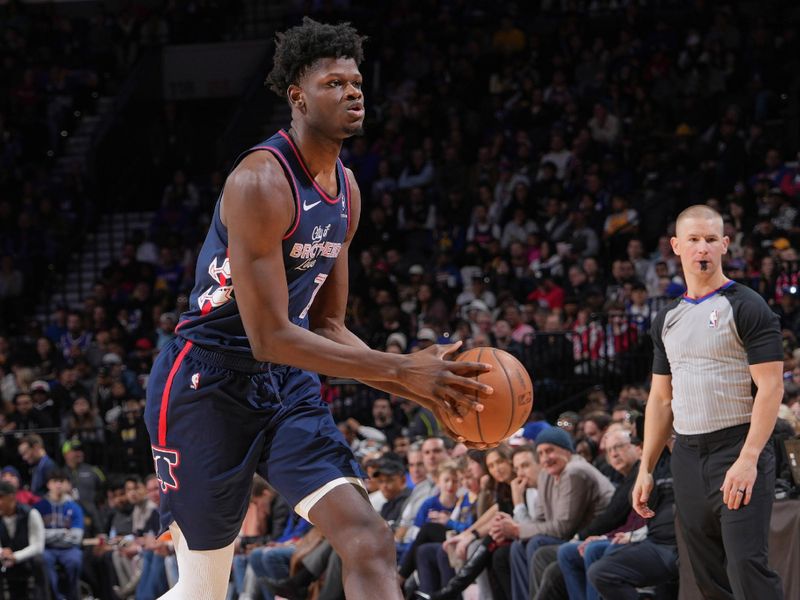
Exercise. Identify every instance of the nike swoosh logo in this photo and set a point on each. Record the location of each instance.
(310, 206)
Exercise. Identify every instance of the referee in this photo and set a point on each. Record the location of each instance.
(711, 345)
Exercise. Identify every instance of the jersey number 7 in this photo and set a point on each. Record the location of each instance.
(319, 280)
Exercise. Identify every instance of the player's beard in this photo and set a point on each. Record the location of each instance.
(353, 128)
(355, 131)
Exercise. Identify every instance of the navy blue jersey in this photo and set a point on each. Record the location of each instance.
(310, 248)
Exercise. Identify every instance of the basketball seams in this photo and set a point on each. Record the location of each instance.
(499, 360)
(449, 422)
(516, 376)
(477, 399)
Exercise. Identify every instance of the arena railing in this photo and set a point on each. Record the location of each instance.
(564, 367)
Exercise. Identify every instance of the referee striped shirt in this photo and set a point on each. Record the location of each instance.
(706, 345)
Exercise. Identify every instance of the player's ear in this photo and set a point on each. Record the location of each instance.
(296, 97)
(674, 243)
(725, 242)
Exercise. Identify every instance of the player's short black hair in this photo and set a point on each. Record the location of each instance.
(299, 47)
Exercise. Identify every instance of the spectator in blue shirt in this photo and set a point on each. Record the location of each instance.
(31, 450)
(437, 509)
(63, 523)
(435, 515)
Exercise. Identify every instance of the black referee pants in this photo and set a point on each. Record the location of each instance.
(727, 548)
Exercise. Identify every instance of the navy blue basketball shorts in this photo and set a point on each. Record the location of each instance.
(215, 419)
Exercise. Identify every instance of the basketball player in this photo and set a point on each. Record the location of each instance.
(711, 345)
(237, 390)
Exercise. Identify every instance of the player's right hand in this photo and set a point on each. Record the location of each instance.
(449, 384)
(641, 494)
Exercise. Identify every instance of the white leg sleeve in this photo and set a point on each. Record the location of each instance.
(202, 574)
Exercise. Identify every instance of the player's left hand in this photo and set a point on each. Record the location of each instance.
(436, 381)
(737, 489)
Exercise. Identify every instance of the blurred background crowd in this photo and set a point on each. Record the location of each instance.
(520, 171)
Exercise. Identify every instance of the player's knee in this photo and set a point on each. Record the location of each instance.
(368, 545)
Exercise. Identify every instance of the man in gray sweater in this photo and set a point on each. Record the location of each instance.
(571, 493)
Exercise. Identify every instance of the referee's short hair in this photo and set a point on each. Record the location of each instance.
(698, 211)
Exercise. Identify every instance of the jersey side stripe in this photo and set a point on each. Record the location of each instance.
(162, 415)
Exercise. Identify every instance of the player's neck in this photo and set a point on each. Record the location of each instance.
(318, 152)
(697, 287)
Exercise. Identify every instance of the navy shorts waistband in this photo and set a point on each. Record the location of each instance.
(720, 435)
(227, 360)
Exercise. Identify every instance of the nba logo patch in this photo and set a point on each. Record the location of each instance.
(713, 319)
(195, 381)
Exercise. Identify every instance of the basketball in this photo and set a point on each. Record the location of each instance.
(507, 409)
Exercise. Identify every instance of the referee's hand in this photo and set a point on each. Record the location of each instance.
(641, 494)
(738, 485)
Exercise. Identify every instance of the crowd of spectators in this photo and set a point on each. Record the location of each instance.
(520, 175)
(57, 62)
(546, 515)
